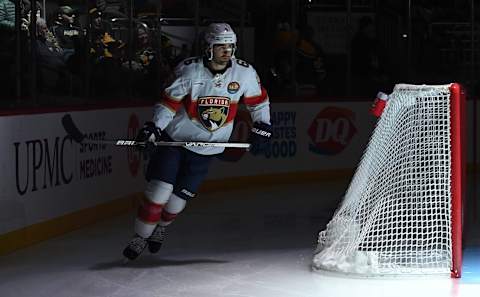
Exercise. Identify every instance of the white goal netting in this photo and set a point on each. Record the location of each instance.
(395, 217)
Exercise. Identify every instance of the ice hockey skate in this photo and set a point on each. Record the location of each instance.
(134, 248)
(156, 239)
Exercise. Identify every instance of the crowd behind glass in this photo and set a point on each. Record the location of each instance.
(104, 51)
(82, 55)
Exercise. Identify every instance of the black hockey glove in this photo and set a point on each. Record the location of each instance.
(260, 135)
(148, 134)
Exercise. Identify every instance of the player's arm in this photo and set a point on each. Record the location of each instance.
(171, 100)
(163, 114)
(258, 104)
(256, 98)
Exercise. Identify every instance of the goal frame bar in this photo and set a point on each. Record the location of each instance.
(458, 172)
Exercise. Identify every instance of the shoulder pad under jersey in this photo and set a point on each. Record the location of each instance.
(243, 66)
(241, 62)
(247, 71)
(188, 66)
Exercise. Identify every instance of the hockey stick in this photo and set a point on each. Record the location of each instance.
(78, 136)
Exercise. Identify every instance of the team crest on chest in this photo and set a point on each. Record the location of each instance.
(233, 87)
(213, 111)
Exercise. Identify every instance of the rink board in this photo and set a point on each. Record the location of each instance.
(51, 185)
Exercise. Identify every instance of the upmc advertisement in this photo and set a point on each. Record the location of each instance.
(45, 174)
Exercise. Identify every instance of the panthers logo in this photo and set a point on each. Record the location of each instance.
(213, 117)
(213, 111)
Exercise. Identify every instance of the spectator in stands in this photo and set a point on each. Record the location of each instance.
(7, 21)
(102, 43)
(53, 73)
(47, 40)
(68, 34)
(310, 68)
(144, 51)
(25, 8)
(7, 15)
(281, 71)
(144, 63)
(99, 26)
(106, 54)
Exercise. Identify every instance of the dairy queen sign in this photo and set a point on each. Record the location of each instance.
(331, 130)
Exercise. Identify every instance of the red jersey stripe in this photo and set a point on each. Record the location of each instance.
(191, 107)
(172, 104)
(232, 112)
(256, 99)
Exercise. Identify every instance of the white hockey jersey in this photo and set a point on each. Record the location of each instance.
(201, 106)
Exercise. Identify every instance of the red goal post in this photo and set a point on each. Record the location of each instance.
(458, 135)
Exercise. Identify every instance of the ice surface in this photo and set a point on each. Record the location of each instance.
(249, 243)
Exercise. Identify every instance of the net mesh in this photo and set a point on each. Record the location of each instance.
(395, 216)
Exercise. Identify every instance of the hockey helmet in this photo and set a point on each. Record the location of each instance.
(219, 33)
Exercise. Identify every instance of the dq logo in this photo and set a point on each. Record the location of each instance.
(331, 130)
(132, 154)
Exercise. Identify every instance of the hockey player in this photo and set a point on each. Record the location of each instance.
(200, 105)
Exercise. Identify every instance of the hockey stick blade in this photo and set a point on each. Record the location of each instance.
(71, 129)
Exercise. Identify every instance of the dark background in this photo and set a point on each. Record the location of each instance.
(377, 44)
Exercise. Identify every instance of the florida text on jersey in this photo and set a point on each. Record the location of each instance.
(201, 106)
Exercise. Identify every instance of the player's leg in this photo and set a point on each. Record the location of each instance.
(149, 212)
(174, 206)
(192, 172)
(161, 174)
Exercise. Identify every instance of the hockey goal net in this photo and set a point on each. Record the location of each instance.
(402, 212)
